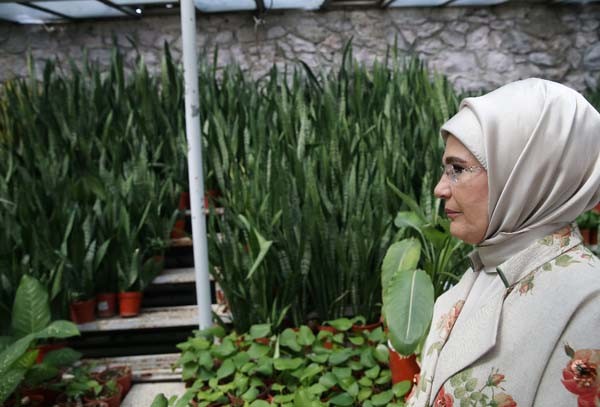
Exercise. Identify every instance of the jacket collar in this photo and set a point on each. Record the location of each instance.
(476, 334)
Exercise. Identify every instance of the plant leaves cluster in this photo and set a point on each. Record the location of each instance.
(297, 367)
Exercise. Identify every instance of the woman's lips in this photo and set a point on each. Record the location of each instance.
(452, 214)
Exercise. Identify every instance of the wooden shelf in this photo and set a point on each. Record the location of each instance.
(154, 318)
(146, 368)
(185, 275)
(176, 276)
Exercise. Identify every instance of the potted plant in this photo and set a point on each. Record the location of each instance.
(30, 322)
(82, 257)
(134, 277)
(121, 374)
(109, 393)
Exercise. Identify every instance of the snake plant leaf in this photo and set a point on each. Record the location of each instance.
(408, 309)
(401, 256)
(264, 246)
(31, 309)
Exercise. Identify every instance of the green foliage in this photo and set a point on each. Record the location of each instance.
(91, 164)
(294, 368)
(31, 323)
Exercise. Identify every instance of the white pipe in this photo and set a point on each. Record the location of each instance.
(195, 176)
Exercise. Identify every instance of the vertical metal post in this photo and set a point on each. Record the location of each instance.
(194, 144)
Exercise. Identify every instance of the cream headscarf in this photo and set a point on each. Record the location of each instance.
(540, 143)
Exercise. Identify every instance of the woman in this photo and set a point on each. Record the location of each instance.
(522, 328)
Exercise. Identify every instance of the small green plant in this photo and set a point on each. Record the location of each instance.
(31, 323)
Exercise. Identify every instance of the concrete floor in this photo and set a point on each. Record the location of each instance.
(142, 394)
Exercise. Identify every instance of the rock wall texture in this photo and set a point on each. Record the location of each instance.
(476, 47)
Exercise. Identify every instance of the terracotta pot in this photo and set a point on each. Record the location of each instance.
(83, 311)
(403, 367)
(590, 236)
(130, 303)
(209, 197)
(49, 347)
(178, 230)
(111, 401)
(122, 374)
(368, 327)
(106, 304)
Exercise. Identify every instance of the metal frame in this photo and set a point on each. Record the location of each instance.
(122, 9)
(46, 10)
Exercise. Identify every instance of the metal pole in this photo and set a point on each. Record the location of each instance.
(194, 144)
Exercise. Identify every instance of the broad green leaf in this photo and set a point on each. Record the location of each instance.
(383, 398)
(305, 336)
(31, 309)
(257, 350)
(408, 219)
(289, 339)
(226, 369)
(260, 331)
(287, 364)
(342, 399)
(341, 324)
(401, 257)
(225, 349)
(58, 329)
(340, 356)
(62, 357)
(408, 309)
(401, 388)
(9, 382)
(160, 401)
(14, 352)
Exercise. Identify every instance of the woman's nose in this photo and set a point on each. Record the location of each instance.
(443, 190)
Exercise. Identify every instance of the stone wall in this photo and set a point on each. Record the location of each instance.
(476, 47)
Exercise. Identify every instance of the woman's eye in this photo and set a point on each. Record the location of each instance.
(457, 168)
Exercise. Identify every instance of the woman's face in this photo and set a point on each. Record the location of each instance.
(466, 201)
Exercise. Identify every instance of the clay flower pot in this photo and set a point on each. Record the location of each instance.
(106, 304)
(130, 303)
(122, 374)
(113, 400)
(367, 327)
(83, 311)
(402, 367)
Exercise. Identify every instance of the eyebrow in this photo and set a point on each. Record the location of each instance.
(453, 159)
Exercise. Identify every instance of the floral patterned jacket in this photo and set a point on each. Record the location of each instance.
(535, 343)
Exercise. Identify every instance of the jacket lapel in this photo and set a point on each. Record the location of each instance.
(470, 339)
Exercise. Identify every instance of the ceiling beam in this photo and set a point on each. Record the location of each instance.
(122, 9)
(46, 10)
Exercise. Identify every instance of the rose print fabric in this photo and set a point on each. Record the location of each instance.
(507, 347)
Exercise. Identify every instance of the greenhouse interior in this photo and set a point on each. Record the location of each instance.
(237, 202)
